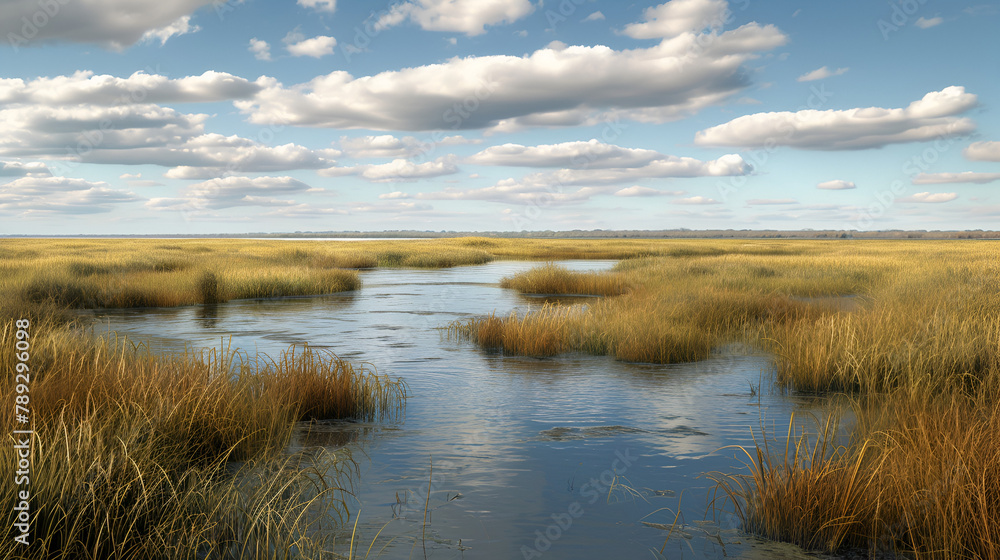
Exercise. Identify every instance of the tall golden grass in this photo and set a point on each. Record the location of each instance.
(921, 478)
(554, 279)
(672, 308)
(142, 456)
(910, 329)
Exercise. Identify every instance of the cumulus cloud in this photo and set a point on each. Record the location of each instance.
(229, 192)
(591, 154)
(697, 200)
(596, 16)
(983, 151)
(771, 201)
(80, 130)
(678, 17)
(462, 16)
(84, 87)
(114, 24)
(396, 171)
(926, 23)
(932, 117)
(550, 87)
(180, 27)
(567, 186)
(963, 177)
(836, 185)
(512, 192)
(316, 47)
(389, 146)
(59, 195)
(144, 134)
(637, 190)
(821, 74)
(328, 6)
(260, 49)
(929, 197)
(18, 169)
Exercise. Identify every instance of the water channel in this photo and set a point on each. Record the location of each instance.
(560, 458)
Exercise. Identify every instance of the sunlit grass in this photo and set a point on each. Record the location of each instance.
(920, 478)
(910, 329)
(142, 456)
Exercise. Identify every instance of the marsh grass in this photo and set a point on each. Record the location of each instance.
(554, 279)
(672, 308)
(142, 456)
(917, 348)
(921, 479)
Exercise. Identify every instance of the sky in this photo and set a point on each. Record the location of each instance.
(203, 117)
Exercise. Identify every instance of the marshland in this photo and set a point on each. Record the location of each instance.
(486, 398)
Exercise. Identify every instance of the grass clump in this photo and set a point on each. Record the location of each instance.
(921, 478)
(139, 456)
(554, 279)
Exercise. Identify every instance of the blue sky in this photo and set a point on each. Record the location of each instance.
(192, 116)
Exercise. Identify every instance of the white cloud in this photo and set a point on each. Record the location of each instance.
(556, 187)
(316, 47)
(260, 49)
(396, 171)
(592, 154)
(114, 24)
(180, 27)
(821, 74)
(678, 17)
(853, 129)
(925, 23)
(79, 130)
(229, 192)
(463, 16)
(568, 87)
(929, 197)
(144, 134)
(328, 6)
(18, 169)
(85, 87)
(59, 195)
(512, 192)
(983, 151)
(697, 200)
(389, 146)
(596, 16)
(637, 190)
(662, 168)
(963, 177)
(836, 185)
(771, 201)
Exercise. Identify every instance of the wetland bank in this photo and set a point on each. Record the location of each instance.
(524, 403)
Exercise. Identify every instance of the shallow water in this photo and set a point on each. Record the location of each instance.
(570, 457)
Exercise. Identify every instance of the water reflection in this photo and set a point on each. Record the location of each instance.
(515, 444)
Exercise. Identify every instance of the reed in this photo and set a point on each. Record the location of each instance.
(554, 279)
(136, 455)
(921, 479)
